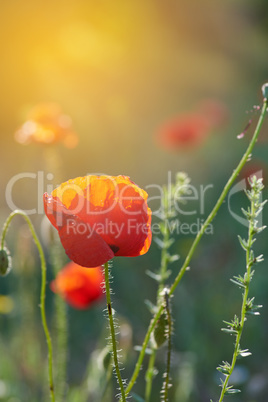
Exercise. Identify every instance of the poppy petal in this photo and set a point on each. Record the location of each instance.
(83, 245)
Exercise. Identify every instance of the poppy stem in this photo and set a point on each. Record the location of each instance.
(196, 241)
(237, 325)
(150, 375)
(42, 293)
(60, 327)
(111, 322)
(166, 383)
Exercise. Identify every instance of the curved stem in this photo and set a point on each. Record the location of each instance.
(197, 239)
(111, 322)
(42, 293)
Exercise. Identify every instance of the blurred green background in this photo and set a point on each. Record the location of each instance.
(119, 69)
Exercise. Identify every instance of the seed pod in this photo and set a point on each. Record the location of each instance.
(5, 262)
(160, 331)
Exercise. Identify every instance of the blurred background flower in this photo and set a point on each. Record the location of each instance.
(79, 286)
(46, 124)
(185, 131)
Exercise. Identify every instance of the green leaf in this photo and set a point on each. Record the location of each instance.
(243, 243)
(245, 353)
(224, 370)
(238, 283)
(154, 276)
(229, 331)
(151, 307)
(159, 242)
(231, 391)
(252, 308)
(173, 258)
(253, 312)
(169, 243)
(246, 213)
(167, 274)
(259, 258)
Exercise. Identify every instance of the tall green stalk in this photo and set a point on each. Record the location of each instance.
(60, 327)
(42, 293)
(237, 325)
(167, 213)
(150, 373)
(112, 331)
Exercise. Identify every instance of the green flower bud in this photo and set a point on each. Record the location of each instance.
(264, 89)
(5, 262)
(160, 331)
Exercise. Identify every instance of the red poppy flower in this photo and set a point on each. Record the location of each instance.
(99, 217)
(47, 124)
(184, 131)
(79, 286)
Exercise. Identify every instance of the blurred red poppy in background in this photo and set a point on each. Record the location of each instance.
(99, 217)
(47, 124)
(191, 129)
(79, 286)
(184, 131)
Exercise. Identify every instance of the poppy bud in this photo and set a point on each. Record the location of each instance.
(160, 331)
(264, 89)
(5, 263)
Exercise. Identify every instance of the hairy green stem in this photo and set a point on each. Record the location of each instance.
(42, 293)
(150, 375)
(169, 329)
(143, 350)
(163, 269)
(113, 339)
(243, 307)
(196, 241)
(164, 261)
(60, 328)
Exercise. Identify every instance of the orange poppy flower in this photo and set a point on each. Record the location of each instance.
(99, 217)
(47, 124)
(79, 286)
(184, 131)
